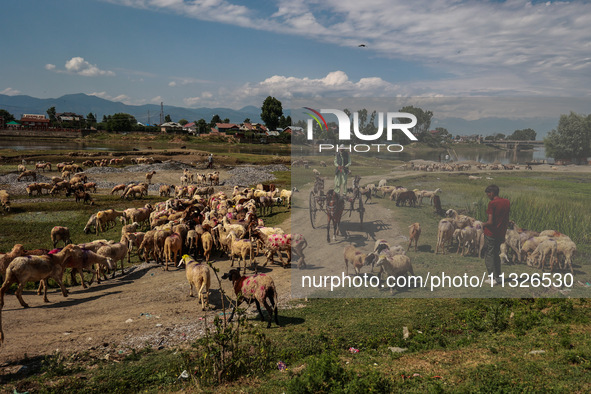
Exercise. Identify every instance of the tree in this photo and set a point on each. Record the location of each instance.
(571, 139)
(215, 119)
(52, 116)
(167, 118)
(271, 111)
(121, 122)
(227, 120)
(421, 130)
(201, 125)
(247, 120)
(499, 136)
(183, 122)
(523, 135)
(90, 120)
(7, 116)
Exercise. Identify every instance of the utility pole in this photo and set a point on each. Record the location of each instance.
(161, 112)
(149, 124)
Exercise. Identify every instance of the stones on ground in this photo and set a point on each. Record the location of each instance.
(395, 349)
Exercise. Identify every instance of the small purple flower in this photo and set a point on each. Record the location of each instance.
(281, 366)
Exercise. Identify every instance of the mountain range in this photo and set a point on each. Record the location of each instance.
(83, 104)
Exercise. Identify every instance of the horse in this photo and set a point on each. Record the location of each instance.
(335, 205)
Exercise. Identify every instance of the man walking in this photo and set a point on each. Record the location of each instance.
(210, 161)
(494, 231)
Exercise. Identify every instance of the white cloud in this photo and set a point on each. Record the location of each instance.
(77, 65)
(172, 84)
(10, 92)
(123, 98)
(543, 45)
(204, 99)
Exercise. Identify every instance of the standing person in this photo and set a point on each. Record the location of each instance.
(342, 161)
(210, 161)
(494, 231)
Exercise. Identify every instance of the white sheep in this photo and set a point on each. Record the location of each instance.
(198, 276)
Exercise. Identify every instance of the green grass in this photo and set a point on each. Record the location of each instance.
(454, 345)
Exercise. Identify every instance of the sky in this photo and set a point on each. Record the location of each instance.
(233, 53)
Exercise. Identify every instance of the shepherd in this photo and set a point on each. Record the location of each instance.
(210, 161)
(342, 161)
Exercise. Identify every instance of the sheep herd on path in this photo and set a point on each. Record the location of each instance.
(194, 222)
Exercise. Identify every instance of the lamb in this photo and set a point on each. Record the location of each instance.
(355, 257)
(414, 234)
(59, 233)
(207, 243)
(430, 194)
(5, 258)
(84, 197)
(33, 187)
(258, 288)
(173, 245)
(445, 232)
(198, 276)
(240, 248)
(467, 239)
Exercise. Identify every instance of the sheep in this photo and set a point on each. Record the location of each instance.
(27, 174)
(395, 266)
(85, 259)
(276, 243)
(84, 197)
(33, 187)
(382, 183)
(566, 248)
(404, 197)
(149, 176)
(257, 288)
(207, 243)
(90, 223)
(116, 251)
(544, 249)
(147, 244)
(445, 231)
(198, 276)
(430, 194)
(5, 200)
(414, 234)
(103, 218)
(467, 239)
(173, 245)
(140, 190)
(355, 257)
(5, 258)
(164, 190)
(21, 168)
(59, 233)
(35, 268)
(117, 188)
(240, 248)
(459, 221)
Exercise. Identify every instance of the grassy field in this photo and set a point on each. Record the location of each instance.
(350, 345)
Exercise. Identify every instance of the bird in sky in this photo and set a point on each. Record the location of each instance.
(361, 45)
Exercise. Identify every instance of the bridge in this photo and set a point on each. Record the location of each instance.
(514, 144)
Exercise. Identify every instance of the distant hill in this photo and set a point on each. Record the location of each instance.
(83, 104)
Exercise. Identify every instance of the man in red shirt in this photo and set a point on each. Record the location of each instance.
(494, 231)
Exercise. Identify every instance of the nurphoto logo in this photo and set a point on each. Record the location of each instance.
(344, 134)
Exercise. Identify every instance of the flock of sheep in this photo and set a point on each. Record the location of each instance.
(196, 221)
(547, 249)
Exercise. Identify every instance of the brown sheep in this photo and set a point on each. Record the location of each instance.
(5, 200)
(27, 174)
(355, 257)
(59, 233)
(240, 248)
(173, 245)
(258, 288)
(117, 188)
(207, 243)
(149, 176)
(5, 258)
(198, 276)
(414, 234)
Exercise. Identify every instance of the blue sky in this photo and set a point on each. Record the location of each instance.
(232, 53)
